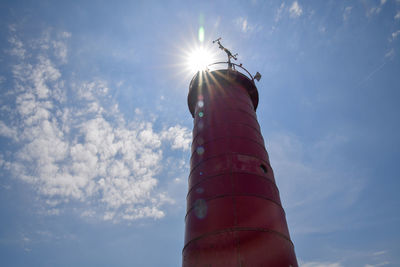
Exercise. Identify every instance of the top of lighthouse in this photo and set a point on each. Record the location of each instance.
(223, 75)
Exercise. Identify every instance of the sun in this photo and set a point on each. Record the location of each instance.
(199, 58)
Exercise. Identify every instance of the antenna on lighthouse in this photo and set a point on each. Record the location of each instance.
(231, 65)
(228, 53)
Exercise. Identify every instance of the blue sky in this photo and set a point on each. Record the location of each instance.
(95, 130)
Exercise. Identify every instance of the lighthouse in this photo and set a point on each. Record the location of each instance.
(234, 215)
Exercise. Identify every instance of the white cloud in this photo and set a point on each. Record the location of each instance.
(66, 35)
(60, 50)
(60, 47)
(390, 54)
(179, 136)
(7, 131)
(12, 28)
(322, 29)
(278, 14)
(295, 10)
(395, 34)
(397, 16)
(321, 264)
(80, 148)
(378, 264)
(244, 25)
(346, 13)
(378, 253)
(375, 9)
(17, 47)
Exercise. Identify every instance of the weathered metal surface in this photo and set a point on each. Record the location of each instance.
(234, 214)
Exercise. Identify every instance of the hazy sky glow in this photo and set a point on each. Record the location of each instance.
(95, 132)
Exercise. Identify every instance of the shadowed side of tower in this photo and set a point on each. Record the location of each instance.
(234, 214)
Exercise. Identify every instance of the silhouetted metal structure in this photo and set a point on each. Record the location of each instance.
(234, 213)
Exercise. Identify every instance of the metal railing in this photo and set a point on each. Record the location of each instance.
(232, 66)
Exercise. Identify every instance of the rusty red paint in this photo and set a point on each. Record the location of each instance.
(234, 214)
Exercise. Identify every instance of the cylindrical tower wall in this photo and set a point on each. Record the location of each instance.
(234, 214)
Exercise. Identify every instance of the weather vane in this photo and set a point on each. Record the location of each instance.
(257, 76)
(226, 51)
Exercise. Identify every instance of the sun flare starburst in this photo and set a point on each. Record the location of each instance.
(198, 59)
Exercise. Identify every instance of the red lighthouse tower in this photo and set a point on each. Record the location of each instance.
(234, 213)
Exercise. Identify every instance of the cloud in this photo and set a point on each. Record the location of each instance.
(244, 25)
(75, 146)
(180, 137)
(395, 34)
(295, 10)
(378, 264)
(7, 131)
(346, 13)
(61, 50)
(279, 11)
(397, 16)
(17, 47)
(322, 29)
(376, 9)
(390, 54)
(320, 264)
(60, 47)
(372, 11)
(378, 253)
